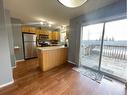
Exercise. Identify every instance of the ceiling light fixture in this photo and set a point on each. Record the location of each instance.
(72, 3)
(51, 22)
(49, 25)
(41, 23)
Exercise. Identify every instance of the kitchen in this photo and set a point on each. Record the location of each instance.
(41, 42)
(29, 40)
(37, 40)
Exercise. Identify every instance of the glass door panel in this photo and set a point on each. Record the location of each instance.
(114, 55)
(91, 45)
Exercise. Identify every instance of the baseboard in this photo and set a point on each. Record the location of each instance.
(17, 62)
(6, 84)
(13, 67)
(20, 60)
(71, 62)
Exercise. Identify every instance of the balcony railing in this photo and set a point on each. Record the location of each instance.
(112, 51)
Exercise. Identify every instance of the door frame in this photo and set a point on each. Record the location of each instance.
(101, 50)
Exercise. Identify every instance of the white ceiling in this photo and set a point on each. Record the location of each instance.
(50, 10)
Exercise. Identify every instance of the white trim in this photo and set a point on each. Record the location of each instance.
(13, 67)
(20, 60)
(16, 62)
(71, 62)
(6, 84)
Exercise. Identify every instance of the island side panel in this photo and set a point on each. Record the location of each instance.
(40, 58)
(53, 58)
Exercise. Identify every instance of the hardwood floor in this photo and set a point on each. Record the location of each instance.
(30, 80)
(25, 68)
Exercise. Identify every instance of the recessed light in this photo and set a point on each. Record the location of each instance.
(64, 25)
(51, 22)
(41, 23)
(72, 3)
(49, 25)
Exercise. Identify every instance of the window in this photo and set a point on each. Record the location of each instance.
(111, 55)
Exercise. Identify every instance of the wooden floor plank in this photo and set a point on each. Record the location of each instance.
(62, 80)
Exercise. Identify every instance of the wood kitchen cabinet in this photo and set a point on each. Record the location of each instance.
(55, 35)
(50, 57)
(25, 29)
(32, 30)
(38, 31)
(28, 29)
(43, 32)
(52, 35)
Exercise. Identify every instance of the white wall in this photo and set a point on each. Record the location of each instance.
(5, 61)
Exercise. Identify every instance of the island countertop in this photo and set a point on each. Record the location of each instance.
(50, 48)
(52, 56)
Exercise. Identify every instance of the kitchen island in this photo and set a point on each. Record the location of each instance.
(50, 57)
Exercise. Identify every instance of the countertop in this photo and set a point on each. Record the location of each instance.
(51, 47)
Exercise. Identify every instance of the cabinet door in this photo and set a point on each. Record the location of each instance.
(50, 35)
(22, 29)
(56, 35)
(37, 31)
(25, 29)
(41, 32)
(53, 35)
(32, 30)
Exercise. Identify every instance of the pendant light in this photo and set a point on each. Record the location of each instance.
(72, 3)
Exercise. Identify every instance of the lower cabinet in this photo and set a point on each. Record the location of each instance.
(49, 59)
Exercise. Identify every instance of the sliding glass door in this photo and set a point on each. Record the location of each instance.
(90, 45)
(106, 50)
(114, 56)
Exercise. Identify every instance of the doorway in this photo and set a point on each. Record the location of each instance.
(104, 48)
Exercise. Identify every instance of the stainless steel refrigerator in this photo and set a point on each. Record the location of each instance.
(29, 45)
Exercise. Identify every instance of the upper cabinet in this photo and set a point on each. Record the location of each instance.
(28, 29)
(52, 35)
(25, 29)
(55, 35)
